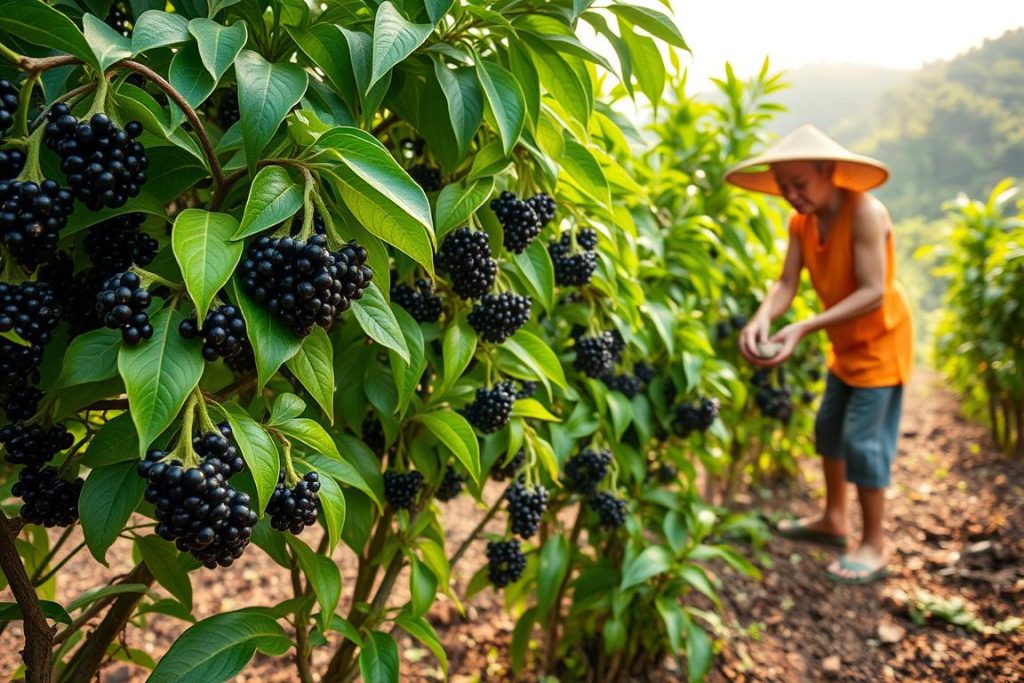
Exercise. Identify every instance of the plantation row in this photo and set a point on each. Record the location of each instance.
(285, 281)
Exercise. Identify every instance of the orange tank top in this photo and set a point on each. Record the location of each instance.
(875, 349)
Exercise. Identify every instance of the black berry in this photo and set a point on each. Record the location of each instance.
(223, 332)
(31, 216)
(48, 499)
(421, 303)
(401, 489)
(496, 317)
(505, 562)
(585, 470)
(294, 509)
(427, 177)
(519, 221)
(32, 445)
(227, 109)
(544, 206)
(630, 385)
(572, 269)
(501, 470)
(22, 404)
(466, 257)
(11, 163)
(8, 105)
(610, 509)
(117, 244)
(596, 356)
(122, 304)
(451, 485)
(492, 407)
(526, 505)
(694, 417)
(30, 309)
(373, 435)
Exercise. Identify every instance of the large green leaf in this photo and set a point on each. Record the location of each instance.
(108, 498)
(327, 47)
(551, 571)
(420, 629)
(108, 45)
(407, 374)
(218, 45)
(458, 201)
(159, 374)
(652, 561)
(457, 435)
(116, 441)
(378, 659)
(313, 366)
(164, 561)
(394, 39)
(273, 198)
(155, 28)
(581, 166)
(465, 102)
(273, 342)
(699, 653)
(266, 93)
(205, 253)
(652, 21)
(219, 647)
(378, 321)
(505, 99)
(460, 341)
(258, 449)
(190, 78)
(36, 22)
(536, 353)
(91, 357)
(382, 197)
(321, 572)
(332, 502)
(422, 587)
(538, 273)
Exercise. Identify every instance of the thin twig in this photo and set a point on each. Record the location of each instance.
(38, 652)
(475, 532)
(50, 555)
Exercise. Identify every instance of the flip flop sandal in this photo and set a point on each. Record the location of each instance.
(799, 532)
(865, 574)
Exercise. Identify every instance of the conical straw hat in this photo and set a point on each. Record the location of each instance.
(807, 143)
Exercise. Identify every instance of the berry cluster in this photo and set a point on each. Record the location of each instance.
(421, 303)
(11, 163)
(18, 365)
(451, 485)
(544, 206)
(32, 445)
(501, 470)
(496, 317)
(574, 269)
(426, 176)
(30, 309)
(31, 215)
(526, 505)
(48, 499)
(505, 562)
(694, 417)
(630, 385)
(610, 509)
(22, 403)
(116, 244)
(519, 221)
(585, 470)
(8, 105)
(197, 507)
(596, 356)
(373, 435)
(492, 407)
(466, 256)
(303, 283)
(775, 403)
(293, 509)
(319, 225)
(526, 390)
(401, 489)
(725, 328)
(644, 372)
(223, 332)
(104, 164)
(122, 304)
(228, 113)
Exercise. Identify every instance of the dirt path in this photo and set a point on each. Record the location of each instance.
(957, 514)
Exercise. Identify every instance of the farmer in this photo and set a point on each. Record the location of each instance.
(843, 236)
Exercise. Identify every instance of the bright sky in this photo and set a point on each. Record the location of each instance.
(893, 33)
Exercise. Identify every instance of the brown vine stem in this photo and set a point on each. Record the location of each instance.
(52, 554)
(38, 652)
(229, 181)
(475, 533)
(303, 655)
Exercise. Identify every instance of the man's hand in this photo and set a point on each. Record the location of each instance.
(755, 333)
(787, 338)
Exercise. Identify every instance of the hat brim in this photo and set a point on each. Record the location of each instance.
(854, 172)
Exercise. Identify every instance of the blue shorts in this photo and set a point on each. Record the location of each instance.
(861, 425)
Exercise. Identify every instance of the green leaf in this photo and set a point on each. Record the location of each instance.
(621, 411)
(266, 93)
(116, 441)
(457, 435)
(648, 62)
(422, 587)
(145, 202)
(313, 366)
(327, 46)
(675, 621)
(536, 353)
(155, 29)
(538, 273)
(321, 571)
(91, 357)
(460, 341)
(652, 561)
(465, 102)
(458, 201)
(360, 47)
(190, 78)
(382, 197)
(108, 498)
(379, 322)
(652, 21)
(163, 560)
(332, 502)
(286, 407)
(11, 611)
(421, 630)
(205, 253)
(505, 99)
(614, 635)
(436, 9)
(258, 449)
(108, 45)
(551, 570)
(586, 172)
(273, 198)
(159, 374)
(218, 45)
(698, 652)
(346, 473)
(91, 596)
(219, 647)
(408, 375)
(273, 342)
(36, 22)
(394, 39)
(489, 161)
(378, 659)
(564, 77)
(532, 408)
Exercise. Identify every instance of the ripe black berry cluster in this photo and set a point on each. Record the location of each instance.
(426, 176)
(526, 505)
(573, 269)
(32, 445)
(466, 256)
(526, 389)
(519, 222)
(610, 509)
(505, 562)
(31, 215)
(421, 303)
(228, 113)
(30, 309)
(22, 403)
(496, 317)
(644, 372)
(48, 499)
(630, 385)
(223, 332)
(104, 164)
(774, 402)
(8, 105)
(492, 407)
(116, 244)
(694, 417)
(544, 206)
(304, 283)
(197, 507)
(596, 356)
(451, 485)
(501, 470)
(18, 365)
(11, 163)
(585, 470)
(122, 304)
(373, 435)
(293, 509)
(401, 489)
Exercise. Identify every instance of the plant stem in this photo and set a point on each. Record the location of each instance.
(21, 115)
(60, 565)
(475, 532)
(555, 617)
(53, 552)
(38, 652)
(303, 658)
